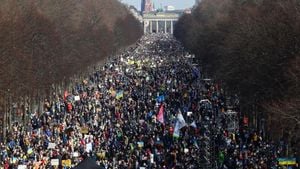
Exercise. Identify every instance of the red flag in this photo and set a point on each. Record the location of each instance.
(246, 120)
(65, 95)
(160, 115)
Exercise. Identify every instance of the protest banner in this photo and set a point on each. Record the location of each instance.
(51, 145)
(76, 98)
(22, 167)
(54, 162)
(287, 161)
(84, 130)
(66, 163)
(140, 144)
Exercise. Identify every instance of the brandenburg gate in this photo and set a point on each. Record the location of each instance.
(160, 22)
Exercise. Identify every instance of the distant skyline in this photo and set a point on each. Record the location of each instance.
(178, 4)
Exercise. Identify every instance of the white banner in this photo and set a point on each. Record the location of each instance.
(76, 98)
(22, 167)
(51, 146)
(54, 162)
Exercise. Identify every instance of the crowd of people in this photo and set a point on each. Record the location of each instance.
(145, 108)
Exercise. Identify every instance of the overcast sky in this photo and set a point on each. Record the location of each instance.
(178, 4)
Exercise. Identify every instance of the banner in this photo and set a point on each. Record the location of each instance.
(75, 154)
(246, 121)
(140, 144)
(130, 62)
(54, 162)
(160, 115)
(76, 98)
(66, 163)
(101, 155)
(84, 130)
(179, 124)
(193, 124)
(119, 95)
(196, 72)
(29, 151)
(287, 161)
(66, 94)
(51, 145)
(22, 167)
(160, 98)
(89, 147)
(189, 113)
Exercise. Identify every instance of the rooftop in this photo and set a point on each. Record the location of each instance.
(166, 14)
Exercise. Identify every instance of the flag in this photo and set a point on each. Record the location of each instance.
(193, 124)
(246, 121)
(287, 161)
(160, 98)
(66, 94)
(180, 123)
(149, 115)
(130, 62)
(196, 144)
(119, 95)
(160, 115)
(196, 72)
(29, 151)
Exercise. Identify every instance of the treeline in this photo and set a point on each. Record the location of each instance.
(252, 46)
(44, 43)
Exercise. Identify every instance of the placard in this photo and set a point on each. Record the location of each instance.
(54, 162)
(66, 163)
(287, 161)
(89, 147)
(84, 130)
(22, 167)
(51, 146)
(189, 113)
(29, 151)
(75, 154)
(76, 98)
(140, 144)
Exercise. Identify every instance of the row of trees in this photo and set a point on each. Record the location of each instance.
(253, 47)
(46, 42)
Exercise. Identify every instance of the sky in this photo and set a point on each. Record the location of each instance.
(178, 4)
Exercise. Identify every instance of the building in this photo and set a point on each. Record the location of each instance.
(146, 6)
(161, 22)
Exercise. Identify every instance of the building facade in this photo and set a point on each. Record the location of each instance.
(160, 22)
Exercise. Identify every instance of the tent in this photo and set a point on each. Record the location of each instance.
(88, 163)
